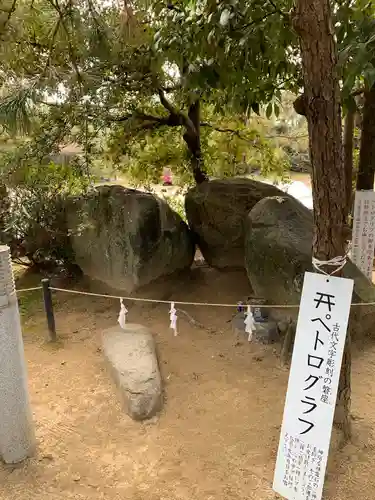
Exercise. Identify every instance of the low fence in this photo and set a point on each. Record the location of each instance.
(47, 290)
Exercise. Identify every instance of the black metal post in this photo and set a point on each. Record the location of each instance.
(48, 307)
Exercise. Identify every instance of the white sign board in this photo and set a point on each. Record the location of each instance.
(312, 388)
(363, 239)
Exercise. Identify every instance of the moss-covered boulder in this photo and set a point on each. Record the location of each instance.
(127, 238)
(216, 211)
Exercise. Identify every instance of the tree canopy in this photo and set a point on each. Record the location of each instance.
(70, 71)
(109, 76)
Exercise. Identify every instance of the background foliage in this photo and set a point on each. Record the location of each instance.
(119, 81)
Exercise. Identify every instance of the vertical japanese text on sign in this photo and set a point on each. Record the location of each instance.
(363, 237)
(312, 387)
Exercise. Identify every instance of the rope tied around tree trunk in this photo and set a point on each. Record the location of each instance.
(337, 262)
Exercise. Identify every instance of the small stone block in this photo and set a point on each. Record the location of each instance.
(131, 355)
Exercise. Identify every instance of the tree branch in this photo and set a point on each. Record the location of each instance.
(55, 4)
(150, 121)
(260, 19)
(184, 119)
(7, 19)
(173, 88)
(228, 131)
(99, 27)
(164, 101)
(176, 120)
(52, 43)
(291, 137)
(279, 11)
(241, 136)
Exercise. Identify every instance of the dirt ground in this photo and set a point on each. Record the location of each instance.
(217, 436)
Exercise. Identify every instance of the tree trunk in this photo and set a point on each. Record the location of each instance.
(193, 142)
(348, 157)
(366, 167)
(343, 402)
(313, 23)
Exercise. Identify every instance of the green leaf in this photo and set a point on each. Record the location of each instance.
(255, 107)
(350, 103)
(369, 76)
(276, 110)
(269, 110)
(349, 82)
(224, 18)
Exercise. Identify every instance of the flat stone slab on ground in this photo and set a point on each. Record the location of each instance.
(131, 355)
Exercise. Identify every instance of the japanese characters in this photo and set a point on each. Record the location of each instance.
(317, 359)
(312, 388)
(364, 231)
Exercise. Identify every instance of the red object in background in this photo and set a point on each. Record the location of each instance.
(167, 177)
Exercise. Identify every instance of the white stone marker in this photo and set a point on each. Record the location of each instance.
(17, 439)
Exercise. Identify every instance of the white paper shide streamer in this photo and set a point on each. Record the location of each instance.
(249, 323)
(173, 318)
(122, 316)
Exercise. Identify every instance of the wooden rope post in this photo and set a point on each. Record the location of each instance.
(48, 307)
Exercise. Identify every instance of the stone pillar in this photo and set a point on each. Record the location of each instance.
(17, 439)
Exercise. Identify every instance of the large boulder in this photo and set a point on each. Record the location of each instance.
(216, 211)
(127, 238)
(278, 251)
(132, 360)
